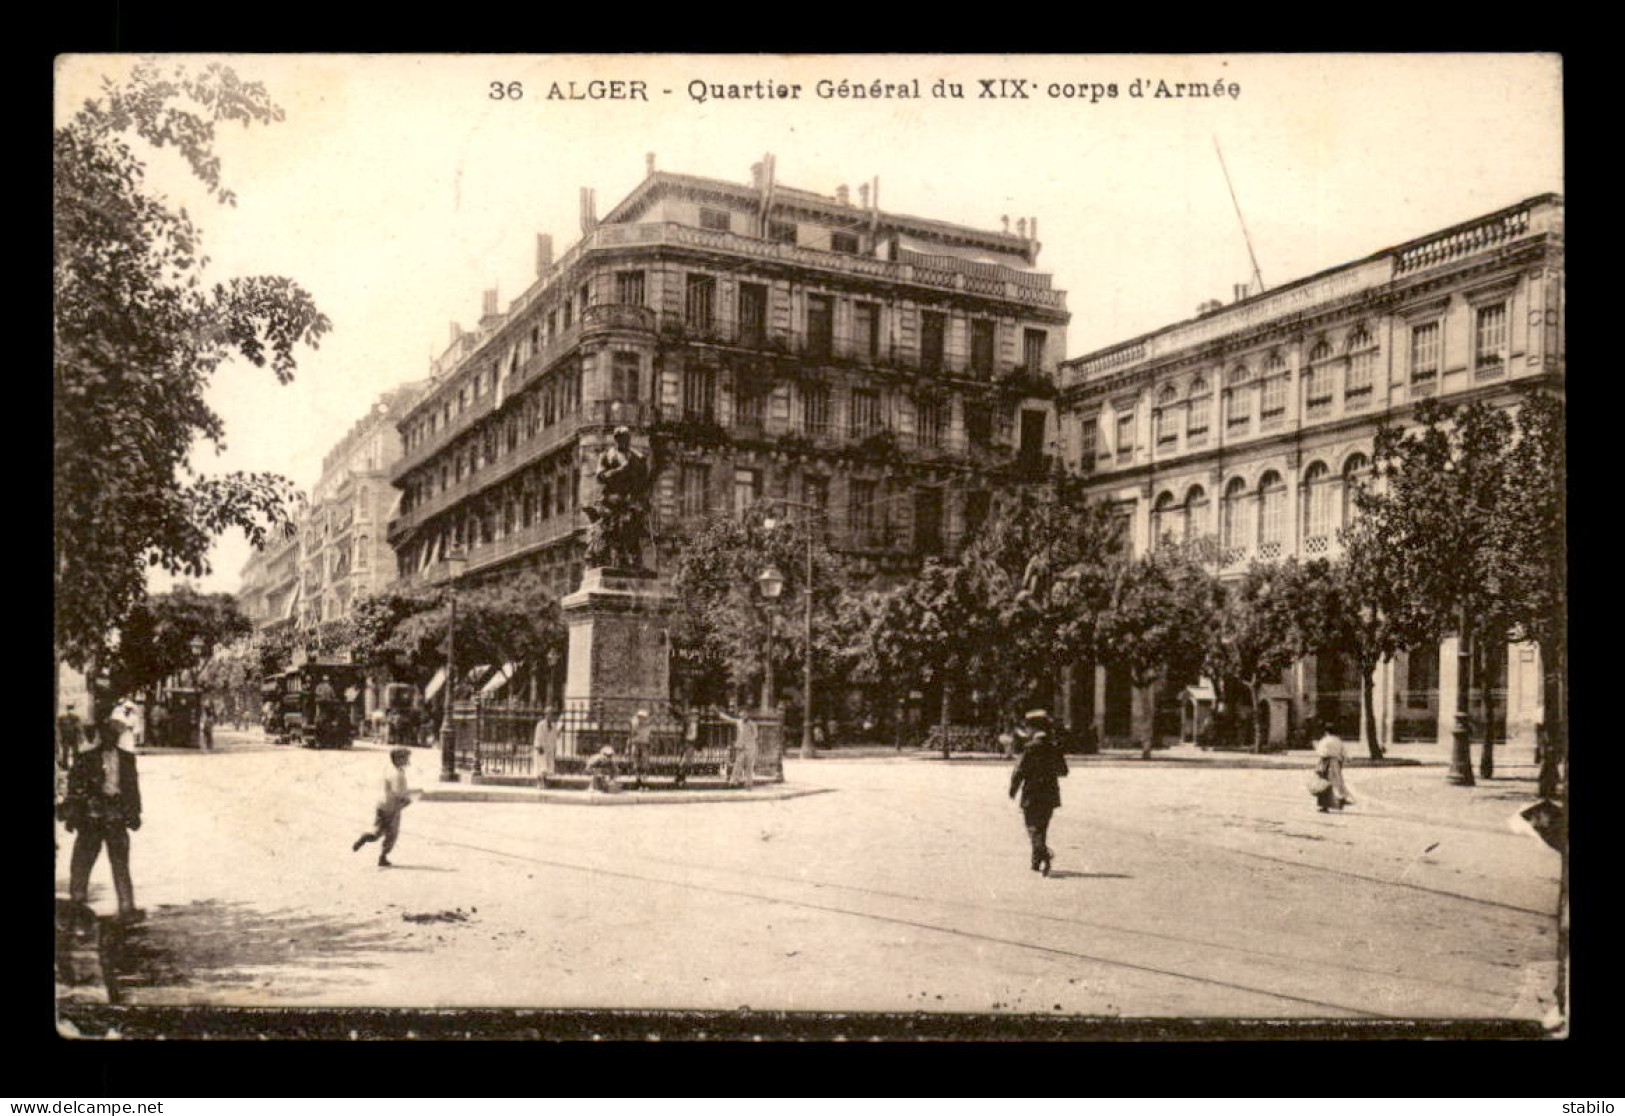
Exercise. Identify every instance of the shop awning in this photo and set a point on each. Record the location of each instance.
(499, 678)
(1199, 692)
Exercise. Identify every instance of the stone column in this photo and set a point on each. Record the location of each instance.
(617, 625)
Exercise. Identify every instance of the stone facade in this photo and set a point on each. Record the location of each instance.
(1251, 422)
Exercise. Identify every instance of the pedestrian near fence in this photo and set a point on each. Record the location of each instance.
(602, 772)
(639, 738)
(1036, 777)
(387, 817)
(546, 742)
(747, 741)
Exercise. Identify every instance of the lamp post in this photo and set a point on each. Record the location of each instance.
(807, 751)
(198, 646)
(1461, 757)
(456, 563)
(771, 582)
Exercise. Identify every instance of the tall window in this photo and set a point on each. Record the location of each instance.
(782, 232)
(1237, 403)
(933, 330)
(752, 313)
(865, 412)
(629, 288)
(815, 492)
(700, 394)
(932, 420)
(624, 374)
(695, 490)
(866, 328)
(718, 220)
(1424, 352)
(747, 489)
(928, 521)
(981, 346)
(1032, 350)
(820, 325)
(1125, 435)
(1166, 522)
(1490, 340)
(700, 307)
(1362, 353)
(1356, 471)
(1271, 515)
(815, 408)
(1166, 430)
(861, 511)
(564, 314)
(1317, 509)
(1201, 408)
(1196, 525)
(1088, 441)
(1272, 393)
(1238, 526)
(751, 403)
(1317, 381)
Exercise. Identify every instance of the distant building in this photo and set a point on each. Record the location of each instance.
(1253, 422)
(770, 343)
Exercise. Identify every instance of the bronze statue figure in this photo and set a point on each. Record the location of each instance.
(619, 523)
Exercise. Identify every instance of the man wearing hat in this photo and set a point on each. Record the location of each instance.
(397, 797)
(102, 807)
(1037, 777)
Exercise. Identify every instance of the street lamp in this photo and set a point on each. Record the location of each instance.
(771, 582)
(456, 563)
(807, 751)
(198, 646)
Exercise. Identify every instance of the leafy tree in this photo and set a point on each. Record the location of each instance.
(1439, 508)
(1156, 613)
(722, 621)
(1261, 627)
(156, 641)
(515, 620)
(139, 333)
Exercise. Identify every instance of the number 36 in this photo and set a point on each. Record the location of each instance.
(507, 90)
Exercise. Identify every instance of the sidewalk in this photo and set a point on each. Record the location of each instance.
(489, 792)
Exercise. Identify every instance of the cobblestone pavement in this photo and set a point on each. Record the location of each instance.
(1178, 891)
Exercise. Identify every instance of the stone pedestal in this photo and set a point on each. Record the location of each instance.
(618, 642)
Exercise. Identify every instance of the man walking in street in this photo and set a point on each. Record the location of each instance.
(397, 797)
(1037, 777)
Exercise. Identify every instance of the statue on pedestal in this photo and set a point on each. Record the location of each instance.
(619, 522)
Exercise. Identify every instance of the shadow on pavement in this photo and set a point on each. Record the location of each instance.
(236, 945)
(398, 867)
(1063, 874)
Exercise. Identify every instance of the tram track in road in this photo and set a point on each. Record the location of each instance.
(936, 915)
(1343, 872)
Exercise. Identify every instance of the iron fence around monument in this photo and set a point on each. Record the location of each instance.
(496, 739)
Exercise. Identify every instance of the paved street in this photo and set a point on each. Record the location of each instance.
(1195, 890)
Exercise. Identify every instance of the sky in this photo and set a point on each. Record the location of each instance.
(399, 187)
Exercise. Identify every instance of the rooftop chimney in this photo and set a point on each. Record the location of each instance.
(863, 194)
(1006, 219)
(456, 332)
(756, 176)
(843, 195)
(490, 305)
(1209, 307)
(1021, 227)
(589, 210)
(544, 254)
(1240, 291)
(649, 163)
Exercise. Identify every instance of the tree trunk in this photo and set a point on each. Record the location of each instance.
(1260, 718)
(1554, 724)
(1369, 708)
(1486, 757)
(943, 718)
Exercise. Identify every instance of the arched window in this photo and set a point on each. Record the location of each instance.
(1317, 509)
(1238, 411)
(1238, 520)
(1165, 430)
(1271, 515)
(1356, 474)
(1272, 392)
(1196, 525)
(1318, 381)
(1166, 527)
(1362, 354)
(1201, 408)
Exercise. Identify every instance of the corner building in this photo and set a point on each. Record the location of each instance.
(1253, 422)
(766, 342)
